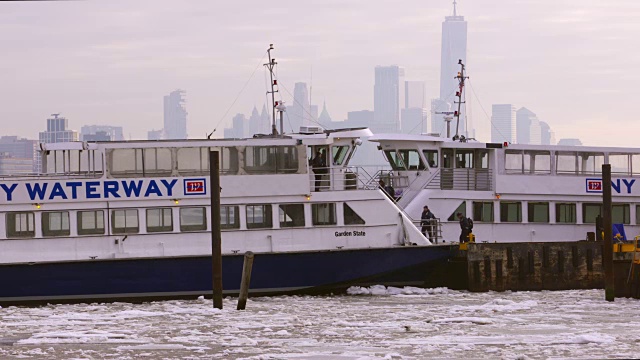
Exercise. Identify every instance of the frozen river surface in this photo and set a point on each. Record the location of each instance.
(388, 323)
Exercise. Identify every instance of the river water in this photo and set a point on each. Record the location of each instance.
(377, 322)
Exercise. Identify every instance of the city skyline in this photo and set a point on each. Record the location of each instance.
(558, 63)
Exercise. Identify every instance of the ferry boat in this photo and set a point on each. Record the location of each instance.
(132, 220)
(512, 192)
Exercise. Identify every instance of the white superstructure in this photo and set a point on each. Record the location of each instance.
(512, 192)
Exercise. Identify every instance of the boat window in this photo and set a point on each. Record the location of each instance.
(91, 222)
(412, 159)
(620, 164)
(55, 223)
(323, 214)
(271, 159)
(395, 160)
(20, 224)
(513, 163)
(124, 221)
(126, 162)
(339, 154)
(291, 215)
(259, 216)
(538, 212)
(540, 162)
(590, 211)
(464, 159)
(462, 208)
(157, 161)
(591, 163)
(483, 211)
(635, 164)
(195, 161)
(482, 159)
(637, 214)
(566, 213)
(351, 217)
(229, 217)
(193, 218)
(432, 157)
(566, 163)
(159, 220)
(620, 214)
(447, 158)
(510, 211)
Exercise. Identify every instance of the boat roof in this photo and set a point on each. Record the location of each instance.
(321, 138)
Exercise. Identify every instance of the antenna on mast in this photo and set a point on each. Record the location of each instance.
(461, 78)
(274, 82)
(454, 8)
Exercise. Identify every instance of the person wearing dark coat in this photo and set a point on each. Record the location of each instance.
(319, 167)
(465, 228)
(427, 220)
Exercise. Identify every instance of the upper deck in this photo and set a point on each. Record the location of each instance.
(180, 168)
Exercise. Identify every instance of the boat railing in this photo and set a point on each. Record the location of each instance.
(431, 228)
(343, 178)
(50, 176)
(462, 179)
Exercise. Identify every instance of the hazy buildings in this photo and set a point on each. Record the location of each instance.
(237, 129)
(360, 118)
(570, 142)
(503, 120)
(16, 148)
(57, 131)
(453, 49)
(155, 134)
(11, 165)
(388, 98)
(175, 115)
(324, 117)
(547, 137)
(299, 113)
(101, 133)
(413, 115)
(528, 130)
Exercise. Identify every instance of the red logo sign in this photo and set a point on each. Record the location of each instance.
(594, 185)
(195, 187)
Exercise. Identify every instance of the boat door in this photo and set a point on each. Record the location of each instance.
(446, 172)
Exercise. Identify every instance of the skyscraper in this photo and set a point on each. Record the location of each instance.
(175, 115)
(503, 121)
(56, 132)
(547, 136)
(113, 133)
(453, 49)
(14, 147)
(527, 127)
(414, 94)
(388, 98)
(300, 113)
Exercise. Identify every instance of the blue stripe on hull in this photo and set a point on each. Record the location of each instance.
(169, 277)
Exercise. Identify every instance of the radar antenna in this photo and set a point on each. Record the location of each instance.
(461, 78)
(274, 83)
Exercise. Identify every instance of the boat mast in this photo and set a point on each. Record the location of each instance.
(461, 77)
(270, 65)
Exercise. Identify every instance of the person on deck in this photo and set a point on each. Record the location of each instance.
(319, 167)
(465, 228)
(428, 222)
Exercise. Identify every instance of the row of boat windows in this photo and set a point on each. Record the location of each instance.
(21, 224)
(539, 162)
(539, 212)
(143, 162)
(516, 161)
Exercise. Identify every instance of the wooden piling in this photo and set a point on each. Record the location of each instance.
(246, 280)
(607, 252)
(216, 238)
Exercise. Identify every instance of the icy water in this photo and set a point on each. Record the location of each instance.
(374, 323)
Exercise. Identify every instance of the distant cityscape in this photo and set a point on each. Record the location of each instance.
(399, 106)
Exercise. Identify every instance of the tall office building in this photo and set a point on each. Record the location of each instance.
(388, 98)
(324, 119)
(300, 110)
(57, 131)
(113, 133)
(175, 115)
(528, 130)
(413, 115)
(453, 49)
(265, 120)
(414, 95)
(503, 121)
(237, 129)
(547, 136)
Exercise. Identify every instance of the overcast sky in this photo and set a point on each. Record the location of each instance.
(574, 63)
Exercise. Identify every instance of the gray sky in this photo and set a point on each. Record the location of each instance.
(110, 62)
